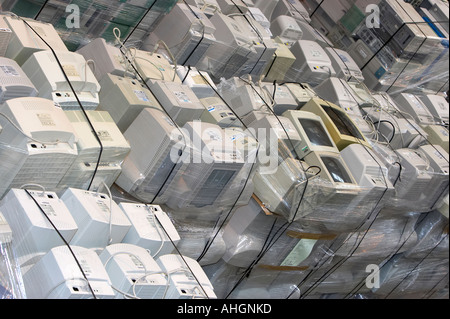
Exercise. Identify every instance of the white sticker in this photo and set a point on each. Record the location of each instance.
(103, 206)
(104, 136)
(48, 209)
(316, 53)
(9, 70)
(182, 97)
(213, 135)
(442, 106)
(46, 119)
(141, 95)
(70, 70)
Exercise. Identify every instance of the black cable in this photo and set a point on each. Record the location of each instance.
(393, 126)
(203, 34)
(211, 240)
(317, 8)
(179, 253)
(140, 21)
(41, 9)
(169, 116)
(421, 261)
(64, 240)
(78, 101)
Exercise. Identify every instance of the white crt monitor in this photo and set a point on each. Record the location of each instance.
(233, 50)
(367, 169)
(187, 31)
(344, 65)
(291, 8)
(302, 92)
(113, 148)
(280, 98)
(151, 161)
(287, 29)
(133, 272)
(200, 82)
(312, 34)
(206, 180)
(32, 218)
(178, 100)
(438, 106)
(124, 98)
(262, 44)
(209, 7)
(46, 74)
(281, 127)
(24, 41)
(153, 66)
(415, 176)
(244, 99)
(100, 220)
(151, 228)
(107, 59)
(439, 161)
(39, 148)
(338, 92)
(186, 277)
(412, 105)
(399, 132)
(5, 36)
(313, 133)
(14, 83)
(58, 276)
(217, 112)
(312, 63)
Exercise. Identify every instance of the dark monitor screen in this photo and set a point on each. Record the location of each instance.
(343, 122)
(336, 170)
(316, 132)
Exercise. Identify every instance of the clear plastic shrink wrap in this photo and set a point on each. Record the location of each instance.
(11, 285)
(97, 19)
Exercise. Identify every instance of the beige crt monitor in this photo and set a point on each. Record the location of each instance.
(438, 135)
(47, 75)
(217, 112)
(107, 59)
(24, 41)
(37, 143)
(187, 31)
(151, 160)
(153, 66)
(341, 127)
(14, 82)
(281, 63)
(313, 133)
(124, 98)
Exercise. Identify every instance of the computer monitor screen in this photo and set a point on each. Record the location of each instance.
(336, 170)
(342, 122)
(316, 133)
